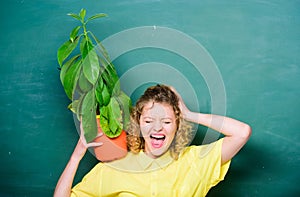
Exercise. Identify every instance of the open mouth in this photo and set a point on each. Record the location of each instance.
(157, 140)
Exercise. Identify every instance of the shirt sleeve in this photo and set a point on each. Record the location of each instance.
(90, 184)
(210, 161)
(220, 169)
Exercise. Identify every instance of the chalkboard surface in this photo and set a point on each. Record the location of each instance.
(254, 46)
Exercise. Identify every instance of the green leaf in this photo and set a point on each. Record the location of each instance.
(115, 117)
(107, 81)
(75, 16)
(110, 69)
(82, 14)
(69, 76)
(66, 66)
(116, 82)
(113, 79)
(109, 74)
(85, 47)
(99, 98)
(89, 123)
(98, 91)
(74, 106)
(66, 49)
(74, 33)
(125, 105)
(117, 88)
(104, 120)
(112, 72)
(96, 16)
(91, 68)
(88, 103)
(105, 95)
(115, 128)
(79, 106)
(82, 45)
(83, 83)
(100, 83)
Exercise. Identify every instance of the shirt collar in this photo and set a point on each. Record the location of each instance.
(141, 162)
(148, 164)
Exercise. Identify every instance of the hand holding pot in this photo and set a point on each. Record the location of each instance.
(82, 145)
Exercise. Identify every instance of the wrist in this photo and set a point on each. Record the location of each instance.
(79, 151)
(196, 117)
(190, 116)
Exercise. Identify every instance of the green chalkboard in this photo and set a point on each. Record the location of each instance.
(253, 47)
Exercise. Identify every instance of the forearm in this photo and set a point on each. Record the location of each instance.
(225, 125)
(64, 185)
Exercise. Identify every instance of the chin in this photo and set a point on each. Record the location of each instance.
(157, 152)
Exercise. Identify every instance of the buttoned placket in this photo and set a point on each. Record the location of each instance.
(154, 183)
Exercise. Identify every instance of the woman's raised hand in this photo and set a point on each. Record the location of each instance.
(183, 108)
(91, 144)
(82, 145)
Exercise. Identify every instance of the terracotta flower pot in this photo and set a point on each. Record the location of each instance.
(112, 148)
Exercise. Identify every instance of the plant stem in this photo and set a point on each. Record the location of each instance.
(84, 29)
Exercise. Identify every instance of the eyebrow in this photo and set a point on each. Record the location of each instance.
(169, 118)
(147, 117)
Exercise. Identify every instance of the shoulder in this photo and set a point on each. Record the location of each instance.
(203, 155)
(203, 151)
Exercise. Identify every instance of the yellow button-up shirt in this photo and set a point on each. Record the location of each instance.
(193, 174)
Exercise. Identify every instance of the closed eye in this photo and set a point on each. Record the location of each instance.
(148, 120)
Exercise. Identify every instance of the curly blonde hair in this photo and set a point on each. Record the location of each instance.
(158, 94)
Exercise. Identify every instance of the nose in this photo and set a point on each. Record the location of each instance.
(157, 126)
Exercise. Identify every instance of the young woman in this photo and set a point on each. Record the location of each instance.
(160, 162)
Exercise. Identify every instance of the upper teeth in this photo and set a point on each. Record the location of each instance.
(158, 136)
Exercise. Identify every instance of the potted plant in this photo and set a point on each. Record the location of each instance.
(90, 80)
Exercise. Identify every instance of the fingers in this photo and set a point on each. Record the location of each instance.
(83, 140)
(94, 144)
(99, 134)
(91, 144)
(182, 106)
(81, 128)
(176, 93)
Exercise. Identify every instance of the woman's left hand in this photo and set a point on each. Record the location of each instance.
(183, 108)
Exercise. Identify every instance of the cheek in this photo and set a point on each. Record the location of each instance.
(171, 131)
(171, 128)
(145, 129)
